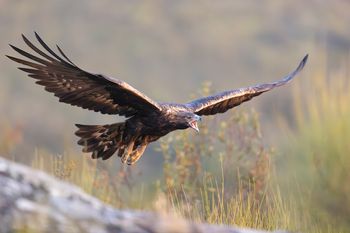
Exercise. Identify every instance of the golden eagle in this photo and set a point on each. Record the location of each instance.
(147, 120)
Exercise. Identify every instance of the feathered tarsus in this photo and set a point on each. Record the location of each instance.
(146, 121)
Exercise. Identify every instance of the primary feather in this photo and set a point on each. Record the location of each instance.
(77, 87)
(224, 101)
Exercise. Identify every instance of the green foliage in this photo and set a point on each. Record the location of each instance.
(225, 163)
(318, 151)
(234, 152)
(220, 178)
(226, 175)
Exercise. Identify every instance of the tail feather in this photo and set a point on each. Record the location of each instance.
(105, 140)
(102, 140)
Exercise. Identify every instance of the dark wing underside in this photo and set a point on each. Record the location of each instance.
(224, 101)
(72, 85)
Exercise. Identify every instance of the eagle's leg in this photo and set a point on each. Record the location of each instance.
(128, 150)
(136, 154)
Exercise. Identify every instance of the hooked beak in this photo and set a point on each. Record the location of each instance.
(194, 125)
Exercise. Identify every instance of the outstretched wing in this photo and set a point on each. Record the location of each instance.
(72, 85)
(224, 101)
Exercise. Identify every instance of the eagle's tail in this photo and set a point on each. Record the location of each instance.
(105, 140)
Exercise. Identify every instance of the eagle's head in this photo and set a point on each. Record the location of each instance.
(189, 120)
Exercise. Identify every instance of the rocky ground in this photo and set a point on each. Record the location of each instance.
(32, 201)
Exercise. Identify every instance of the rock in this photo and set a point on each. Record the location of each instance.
(32, 201)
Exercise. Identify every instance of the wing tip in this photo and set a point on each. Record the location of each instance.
(305, 59)
(15, 48)
(302, 63)
(36, 34)
(289, 77)
(298, 69)
(11, 57)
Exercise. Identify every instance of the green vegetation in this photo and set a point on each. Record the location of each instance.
(318, 152)
(226, 175)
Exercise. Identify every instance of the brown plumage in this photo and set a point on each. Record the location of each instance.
(147, 120)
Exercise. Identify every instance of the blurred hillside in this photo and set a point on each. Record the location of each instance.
(166, 49)
(285, 167)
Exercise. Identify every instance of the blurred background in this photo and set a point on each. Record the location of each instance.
(174, 51)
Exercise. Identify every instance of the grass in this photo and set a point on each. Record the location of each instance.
(319, 149)
(198, 185)
(226, 175)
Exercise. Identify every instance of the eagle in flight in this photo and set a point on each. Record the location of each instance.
(146, 120)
